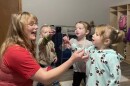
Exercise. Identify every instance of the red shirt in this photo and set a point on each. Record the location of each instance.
(17, 67)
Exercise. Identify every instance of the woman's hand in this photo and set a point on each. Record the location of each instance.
(79, 56)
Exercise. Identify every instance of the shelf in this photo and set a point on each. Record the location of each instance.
(128, 7)
(115, 13)
(122, 13)
(128, 12)
(113, 9)
(128, 20)
(122, 8)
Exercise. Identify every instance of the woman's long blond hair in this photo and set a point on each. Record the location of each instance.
(16, 35)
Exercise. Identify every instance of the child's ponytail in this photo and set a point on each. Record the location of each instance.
(118, 36)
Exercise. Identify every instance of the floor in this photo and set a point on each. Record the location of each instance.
(66, 78)
(125, 67)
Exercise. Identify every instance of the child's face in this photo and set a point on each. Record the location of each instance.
(52, 32)
(45, 31)
(97, 40)
(80, 30)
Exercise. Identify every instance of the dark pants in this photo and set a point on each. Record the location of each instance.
(77, 78)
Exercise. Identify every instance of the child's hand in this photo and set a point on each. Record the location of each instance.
(55, 59)
(66, 40)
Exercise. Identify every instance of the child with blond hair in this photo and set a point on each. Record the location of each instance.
(82, 29)
(47, 55)
(103, 66)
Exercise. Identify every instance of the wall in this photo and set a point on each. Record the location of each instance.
(67, 12)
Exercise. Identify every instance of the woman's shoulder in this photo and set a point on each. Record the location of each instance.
(16, 52)
(16, 49)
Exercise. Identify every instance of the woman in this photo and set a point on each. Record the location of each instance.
(18, 66)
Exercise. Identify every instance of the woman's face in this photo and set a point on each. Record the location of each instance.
(31, 30)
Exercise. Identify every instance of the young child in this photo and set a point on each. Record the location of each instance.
(103, 66)
(47, 55)
(81, 31)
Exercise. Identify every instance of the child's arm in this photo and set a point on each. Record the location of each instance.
(46, 39)
(66, 43)
(115, 71)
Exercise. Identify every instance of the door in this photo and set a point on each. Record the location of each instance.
(7, 7)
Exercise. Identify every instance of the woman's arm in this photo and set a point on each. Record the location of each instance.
(47, 77)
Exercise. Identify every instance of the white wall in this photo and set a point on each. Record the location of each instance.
(67, 12)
